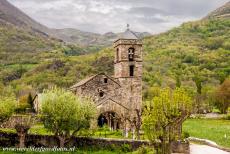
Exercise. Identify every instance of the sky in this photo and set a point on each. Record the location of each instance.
(101, 16)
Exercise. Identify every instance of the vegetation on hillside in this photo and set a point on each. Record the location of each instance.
(194, 55)
(7, 103)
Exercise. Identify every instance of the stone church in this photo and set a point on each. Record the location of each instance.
(117, 97)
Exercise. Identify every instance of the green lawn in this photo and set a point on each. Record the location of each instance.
(215, 130)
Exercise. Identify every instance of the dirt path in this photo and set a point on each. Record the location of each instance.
(204, 149)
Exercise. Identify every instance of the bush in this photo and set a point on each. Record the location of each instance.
(227, 117)
(185, 135)
(214, 43)
(23, 104)
(144, 150)
(126, 148)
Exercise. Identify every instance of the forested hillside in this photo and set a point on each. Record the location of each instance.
(192, 53)
(195, 55)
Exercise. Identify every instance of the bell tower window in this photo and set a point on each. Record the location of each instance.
(131, 70)
(105, 80)
(131, 54)
(117, 55)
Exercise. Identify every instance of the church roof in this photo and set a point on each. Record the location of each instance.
(82, 82)
(128, 34)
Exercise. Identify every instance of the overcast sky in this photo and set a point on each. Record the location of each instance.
(102, 16)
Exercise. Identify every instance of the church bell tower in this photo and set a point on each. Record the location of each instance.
(128, 68)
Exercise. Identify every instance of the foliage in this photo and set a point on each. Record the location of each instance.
(144, 150)
(169, 60)
(23, 104)
(181, 57)
(125, 148)
(63, 112)
(165, 113)
(223, 96)
(7, 103)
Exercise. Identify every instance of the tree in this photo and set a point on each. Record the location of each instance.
(23, 124)
(199, 79)
(65, 114)
(23, 104)
(222, 95)
(164, 114)
(7, 103)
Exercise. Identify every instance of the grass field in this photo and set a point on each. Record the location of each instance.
(215, 130)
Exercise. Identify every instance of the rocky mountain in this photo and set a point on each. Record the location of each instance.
(12, 15)
(222, 12)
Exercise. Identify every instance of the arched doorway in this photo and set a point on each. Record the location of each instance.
(111, 119)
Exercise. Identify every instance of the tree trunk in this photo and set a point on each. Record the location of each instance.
(165, 146)
(138, 134)
(61, 141)
(22, 137)
(133, 133)
(22, 132)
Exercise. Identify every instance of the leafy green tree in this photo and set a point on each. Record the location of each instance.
(164, 114)
(65, 114)
(222, 75)
(22, 104)
(222, 95)
(7, 103)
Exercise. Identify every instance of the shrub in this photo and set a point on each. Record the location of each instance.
(145, 150)
(227, 117)
(126, 148)
(185, 135)
(23, 104)
(214, 43)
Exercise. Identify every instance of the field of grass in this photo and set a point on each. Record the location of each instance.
(214, 130)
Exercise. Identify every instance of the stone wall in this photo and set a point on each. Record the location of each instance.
(11, 140)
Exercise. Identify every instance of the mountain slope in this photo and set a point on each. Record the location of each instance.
(13, 15)
(87, 39)
(194, 53)
(222, 12)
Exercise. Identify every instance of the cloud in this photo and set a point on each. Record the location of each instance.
(101, 16)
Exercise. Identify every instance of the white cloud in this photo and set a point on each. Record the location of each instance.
(112, 15)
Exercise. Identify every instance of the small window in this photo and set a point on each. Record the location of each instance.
(131, 70)
(131, 54)
(101, 94)
(105, 80)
